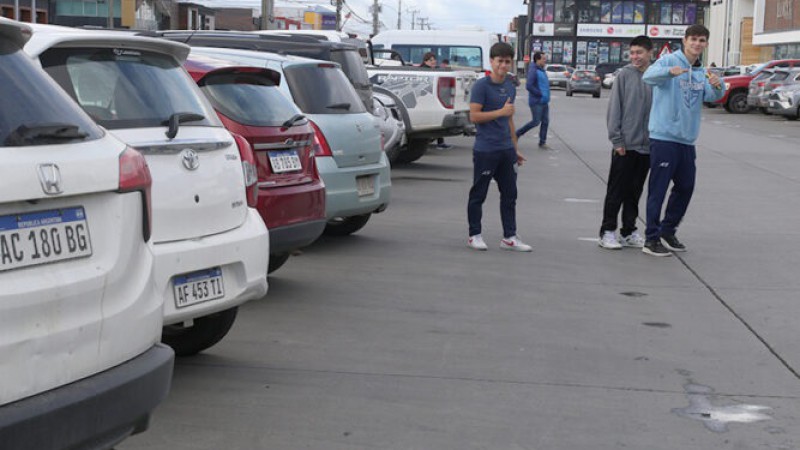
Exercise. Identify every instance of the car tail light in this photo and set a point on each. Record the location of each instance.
(574, 78)
(383, 142)
(446, 91)
(321, 147)
(566, 74)
(134, 175)
(596, 78)
(249, 169)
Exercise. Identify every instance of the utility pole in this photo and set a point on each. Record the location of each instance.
(110, 4)
(267, 12)
(376, 21)
(338, 4)
(33, 11)
(16, 10)
(414, 13)
(399, 12)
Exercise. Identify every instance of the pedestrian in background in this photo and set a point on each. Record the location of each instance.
(627, 121)
(429, 62)
(538, 86)
(679, 91)
(495, 154)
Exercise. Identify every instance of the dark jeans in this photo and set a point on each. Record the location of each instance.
(625, 184)
(501, 166)
(669, 161)
(541, 115)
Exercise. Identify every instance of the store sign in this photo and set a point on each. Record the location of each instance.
(564, 29)
(666, 31)
(543, 29)
(609, 30)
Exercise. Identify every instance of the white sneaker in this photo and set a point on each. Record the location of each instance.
(609, 241)
(513, 243)
(476, 243)
(632, 240)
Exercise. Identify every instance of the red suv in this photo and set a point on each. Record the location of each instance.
(291, 195)
(736, 86)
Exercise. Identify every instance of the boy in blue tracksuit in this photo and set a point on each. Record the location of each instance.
(679, 91)
(538, 86)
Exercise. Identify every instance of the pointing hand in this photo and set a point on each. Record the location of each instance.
(677, 70)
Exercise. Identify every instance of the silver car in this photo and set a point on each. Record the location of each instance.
(393, 129)
(558, 74)
(785, 101)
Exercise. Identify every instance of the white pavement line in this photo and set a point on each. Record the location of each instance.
(581, 200)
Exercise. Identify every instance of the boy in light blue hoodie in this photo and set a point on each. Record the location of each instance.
(679, 91)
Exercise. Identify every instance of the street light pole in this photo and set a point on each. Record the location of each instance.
(110, 5)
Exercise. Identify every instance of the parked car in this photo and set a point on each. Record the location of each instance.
(346, 55)
(393, 128)
(557, 74)
(604, 69)
(291, 195)
(781, 77)
(759, 89)
(80, 318)
(347, 139)
(737, 86)
(608, 80)
(586, 81)
(785, 101)
(211, 247)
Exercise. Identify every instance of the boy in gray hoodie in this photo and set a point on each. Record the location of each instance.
(627, 119)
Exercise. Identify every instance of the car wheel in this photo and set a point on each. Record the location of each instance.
(276, 260)
(344, 226)
(393, 154)
(737, 103)
(202, 334)
(569, 93)
(413, 151)
(596, 95)
(764, 111)
(794, 116)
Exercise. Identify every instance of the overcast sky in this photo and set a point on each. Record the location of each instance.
(491, 15)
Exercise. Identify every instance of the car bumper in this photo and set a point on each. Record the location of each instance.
(561, 83)
(341, 191)
(587, 89)
(291, 237)
(782, 107)
(300, 208)
(454, 124)
(96, 412)
(241, 253)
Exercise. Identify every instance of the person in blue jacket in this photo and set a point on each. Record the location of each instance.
(679, 91)
(538, 86)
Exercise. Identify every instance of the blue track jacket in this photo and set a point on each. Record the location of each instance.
(678, 101)
(538, 86)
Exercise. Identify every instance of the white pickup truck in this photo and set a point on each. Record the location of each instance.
(436, 103)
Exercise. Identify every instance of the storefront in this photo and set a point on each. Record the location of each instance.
(584, 33)
(777, 24)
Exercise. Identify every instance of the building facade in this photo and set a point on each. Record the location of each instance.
(9, 10)
(584, 33)
(776, 26)
(731, 25)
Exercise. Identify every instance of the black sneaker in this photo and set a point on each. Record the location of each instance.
(655, 248)
(672, 243)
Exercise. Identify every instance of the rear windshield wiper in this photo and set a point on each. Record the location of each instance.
(339, 106)
(293, 120)
(44, 133)
(177, 119)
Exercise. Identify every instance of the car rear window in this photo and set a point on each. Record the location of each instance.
(248, 98)
(352, 66)
(35, 110)
(779, 76)
(322, 89)
(126, 88)
(556, 69)
(584, 74)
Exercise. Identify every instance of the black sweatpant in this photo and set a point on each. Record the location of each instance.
(626, 179)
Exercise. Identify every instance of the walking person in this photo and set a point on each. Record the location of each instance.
(495, 154)
(679, 91)
(627, 120)
(538, 86)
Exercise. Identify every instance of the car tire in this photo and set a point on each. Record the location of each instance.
(596, 95)
(569, 93)
(204, 333)
(413, 151)
(393, 154)
(344, 226)
(277, 260)
(764, 111)
(737, 103)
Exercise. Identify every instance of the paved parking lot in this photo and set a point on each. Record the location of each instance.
(399, 337)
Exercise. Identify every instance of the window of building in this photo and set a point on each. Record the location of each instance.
(589, 12)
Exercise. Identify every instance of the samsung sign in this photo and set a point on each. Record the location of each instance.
(609, 30)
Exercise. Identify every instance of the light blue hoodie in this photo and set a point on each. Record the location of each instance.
(678, 101)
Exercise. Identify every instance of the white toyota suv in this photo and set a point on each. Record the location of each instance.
(80, 362)
(211, 247)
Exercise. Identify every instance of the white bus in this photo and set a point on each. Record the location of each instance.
(463, 48)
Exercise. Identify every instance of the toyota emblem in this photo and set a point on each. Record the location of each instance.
(190, 159)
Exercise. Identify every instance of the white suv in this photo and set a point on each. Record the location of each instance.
(80, 362)
(211, 248)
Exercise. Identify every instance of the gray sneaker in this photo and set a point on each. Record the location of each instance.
(632, 240)
(609, 241)
(655, 248)
(672, 243)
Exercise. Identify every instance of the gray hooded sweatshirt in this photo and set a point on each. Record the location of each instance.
(629, 111)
